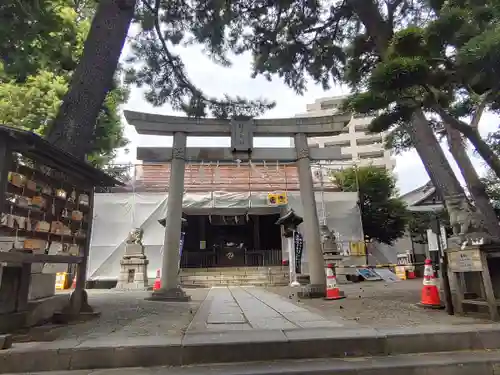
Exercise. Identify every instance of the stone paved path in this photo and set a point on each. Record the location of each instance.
(249, 308)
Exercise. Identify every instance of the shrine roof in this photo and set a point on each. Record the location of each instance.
(33, 146)
(423, 198)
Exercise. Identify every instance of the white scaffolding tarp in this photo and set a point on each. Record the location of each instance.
(116, 214)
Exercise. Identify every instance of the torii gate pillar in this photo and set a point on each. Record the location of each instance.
(170, 289)
(311, 222)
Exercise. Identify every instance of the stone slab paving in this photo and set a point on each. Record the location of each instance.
(299, 316)
(247, 308)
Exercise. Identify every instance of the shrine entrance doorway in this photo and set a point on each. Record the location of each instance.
(232, 241)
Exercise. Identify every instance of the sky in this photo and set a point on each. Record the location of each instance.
(236, 80)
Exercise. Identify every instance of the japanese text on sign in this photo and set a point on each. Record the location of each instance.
(465, 261)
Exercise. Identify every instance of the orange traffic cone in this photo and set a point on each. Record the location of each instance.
(430, 292)
(332, 290)
(157, 283)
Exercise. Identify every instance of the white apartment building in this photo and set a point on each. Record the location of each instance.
(358, 146)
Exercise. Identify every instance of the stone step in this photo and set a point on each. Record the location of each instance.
(214, 274)
(229, 277)
(209, 283)
(234, 269)
(464, 363)
(208, 279)
(264, 345)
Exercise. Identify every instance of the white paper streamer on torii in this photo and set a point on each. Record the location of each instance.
(257, 172)
(217, 173)
(201, 172)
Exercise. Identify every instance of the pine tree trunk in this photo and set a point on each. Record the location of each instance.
(441, 173)
(74, 125)
(484, 150)
(474, 183)
(433, 157)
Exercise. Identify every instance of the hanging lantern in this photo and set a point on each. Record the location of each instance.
(290, 221)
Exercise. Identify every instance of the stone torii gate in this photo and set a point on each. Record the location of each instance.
(242, 133)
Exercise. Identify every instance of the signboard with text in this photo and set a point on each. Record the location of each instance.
(465, 261)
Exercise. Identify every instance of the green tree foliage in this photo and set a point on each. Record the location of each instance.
(384, 216)
(420, 222)
(445, 66)
(39, 48)
(37, 35)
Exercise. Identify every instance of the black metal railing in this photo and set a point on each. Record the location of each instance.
(252, 258)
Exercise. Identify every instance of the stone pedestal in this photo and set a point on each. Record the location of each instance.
(134, 269)
(42, 285)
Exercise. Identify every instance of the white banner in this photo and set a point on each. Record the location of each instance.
(432, 240)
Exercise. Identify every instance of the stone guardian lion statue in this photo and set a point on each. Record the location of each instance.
(135, 236)
(466, 223)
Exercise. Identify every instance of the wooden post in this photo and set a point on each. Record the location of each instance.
(79, 300)
(5, 165)
(25, 275)
(24, 287)
(203, 230)
(256, 233)
(488, 288)
(456, 285)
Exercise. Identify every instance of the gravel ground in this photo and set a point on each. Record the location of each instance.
(126, 314)
(382, 305)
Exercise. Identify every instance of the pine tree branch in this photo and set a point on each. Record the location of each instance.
(391, 8)
(369, 14)
(168, 57)
(451, 120)
(463, 127)
(478, 113)
(173, 63)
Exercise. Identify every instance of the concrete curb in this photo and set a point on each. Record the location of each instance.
(464, 363)
(246, 346)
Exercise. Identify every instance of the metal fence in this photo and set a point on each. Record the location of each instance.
(254, 258)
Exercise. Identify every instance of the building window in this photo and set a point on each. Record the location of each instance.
(328, 106)
(371, 154)
(369, 140)
(340, 143)
(361, 127)
(363, 115)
